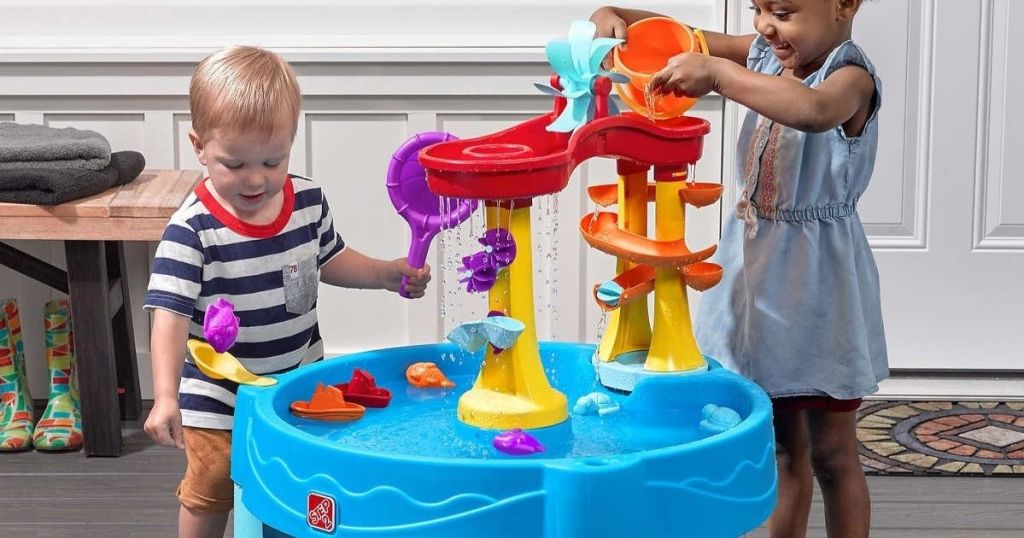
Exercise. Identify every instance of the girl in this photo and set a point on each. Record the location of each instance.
(798, 309)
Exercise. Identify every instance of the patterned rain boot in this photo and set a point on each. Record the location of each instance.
(15, 401)
(60, 428)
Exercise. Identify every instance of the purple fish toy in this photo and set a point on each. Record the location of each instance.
(517, 443)
(220, 325)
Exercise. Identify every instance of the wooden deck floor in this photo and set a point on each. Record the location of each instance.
(67, 495)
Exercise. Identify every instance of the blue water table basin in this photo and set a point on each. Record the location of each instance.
(414, 470)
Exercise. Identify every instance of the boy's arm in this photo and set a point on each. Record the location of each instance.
(352, 269)
(612, 21)
(844, 98)
(167, 346)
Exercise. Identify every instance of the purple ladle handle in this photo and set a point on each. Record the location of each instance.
(421, 208)
(418, 249)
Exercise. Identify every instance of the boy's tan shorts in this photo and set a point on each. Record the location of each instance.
(207, 485)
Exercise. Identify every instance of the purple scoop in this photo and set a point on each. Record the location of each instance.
(220, 325)
(407, 188)
(517, 443)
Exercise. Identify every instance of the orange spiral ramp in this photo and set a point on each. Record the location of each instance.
(601, 231)
(636, 283)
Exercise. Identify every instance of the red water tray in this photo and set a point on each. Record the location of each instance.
(526, 160)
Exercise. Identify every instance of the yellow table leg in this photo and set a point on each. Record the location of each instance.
(629, 327)
(673, 347)
(512, 390)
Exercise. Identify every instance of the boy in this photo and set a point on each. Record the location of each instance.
(257, 236)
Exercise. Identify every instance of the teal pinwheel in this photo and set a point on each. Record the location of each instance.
(577, 61)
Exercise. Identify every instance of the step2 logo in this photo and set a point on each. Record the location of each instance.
(320, 511)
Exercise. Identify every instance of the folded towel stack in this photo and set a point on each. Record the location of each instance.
(48, 166)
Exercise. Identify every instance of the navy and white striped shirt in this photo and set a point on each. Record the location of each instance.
(269, 272)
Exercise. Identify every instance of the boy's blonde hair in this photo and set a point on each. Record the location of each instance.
(243, 88)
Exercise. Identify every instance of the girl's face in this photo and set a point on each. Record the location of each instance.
(803, 32)
(247, 170)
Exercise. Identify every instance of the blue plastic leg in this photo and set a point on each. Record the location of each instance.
(246, 524)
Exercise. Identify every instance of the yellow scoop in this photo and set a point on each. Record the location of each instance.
(224, 365)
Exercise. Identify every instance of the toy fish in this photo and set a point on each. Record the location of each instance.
(517, 443)
(427, 375)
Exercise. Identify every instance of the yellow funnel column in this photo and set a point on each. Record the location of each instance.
(673, 347)
(512, 390)
(629, 327)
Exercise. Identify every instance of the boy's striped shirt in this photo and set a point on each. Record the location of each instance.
(269, 272)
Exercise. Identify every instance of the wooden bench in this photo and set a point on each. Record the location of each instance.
(94, 230)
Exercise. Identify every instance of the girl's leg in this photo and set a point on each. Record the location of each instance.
(837, 468)
(795, 487)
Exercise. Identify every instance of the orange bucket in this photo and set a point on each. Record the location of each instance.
(650, 44)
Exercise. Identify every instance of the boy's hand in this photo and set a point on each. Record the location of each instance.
(395, 270)
(163, 424)
(689, 74)
(609, 24)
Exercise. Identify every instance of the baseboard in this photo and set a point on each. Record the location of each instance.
(952, 386)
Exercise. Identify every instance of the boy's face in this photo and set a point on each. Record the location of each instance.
(247, 169)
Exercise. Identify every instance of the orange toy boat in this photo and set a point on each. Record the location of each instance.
(329, 404)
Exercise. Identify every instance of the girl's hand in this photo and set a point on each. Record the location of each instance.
(394, 270)
(609, 24)
(689, 74)
(163, 424)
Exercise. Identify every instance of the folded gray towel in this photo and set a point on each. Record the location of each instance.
(52, 186)
(37, 146)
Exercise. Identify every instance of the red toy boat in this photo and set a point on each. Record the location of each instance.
(363, 390)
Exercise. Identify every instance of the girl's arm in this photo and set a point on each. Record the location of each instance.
(844, 98)
(612, 22)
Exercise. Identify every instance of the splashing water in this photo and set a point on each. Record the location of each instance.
(602, 327)
(649, 101)
(553, 267)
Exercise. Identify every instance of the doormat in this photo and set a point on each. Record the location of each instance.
(941, 438)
